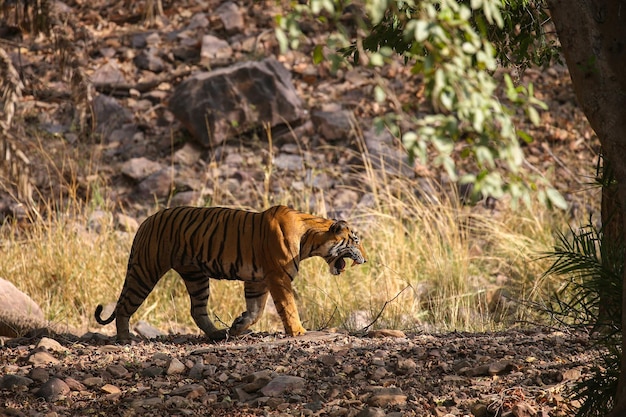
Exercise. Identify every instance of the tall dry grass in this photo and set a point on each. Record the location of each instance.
(433, 265)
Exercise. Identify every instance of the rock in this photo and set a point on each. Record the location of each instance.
(175, 367)
(158, 185)
(112, 391)
(11, 382)
(386, 333)
(108, 73)
(187, 155)
(233, 100)
(256, 380)
(110, 115)
(152, 371)
(289, 162)
(479, 410)
(522, 409)
(371, 412)
(53, 389)
(39, 374)
(126, 223)
(93, 381)
(99, 221)
(502, 367)
(148, 60)
(198, 21)
(333, 125)
(405, 366)
(383, 397)
(117, 371)
(51, 345)
(42, 358)
(283, 383)
(197, 370)
(386, 153)
(74, 384)
(214, 51)
(140, 168)
(18, 312)
(231, 16)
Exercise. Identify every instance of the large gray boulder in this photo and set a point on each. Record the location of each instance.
(18, 312)
(220, 104)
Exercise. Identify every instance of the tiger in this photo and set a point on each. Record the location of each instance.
(262, 249)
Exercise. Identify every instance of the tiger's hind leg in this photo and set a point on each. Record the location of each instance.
(198, 288)
(134, 293)
(256, 297)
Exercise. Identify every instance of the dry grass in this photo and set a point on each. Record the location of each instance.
(431, 265)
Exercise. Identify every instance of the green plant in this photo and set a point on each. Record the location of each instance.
(589, 299)
(452, 44)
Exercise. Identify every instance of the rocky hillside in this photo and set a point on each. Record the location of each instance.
(109, 109)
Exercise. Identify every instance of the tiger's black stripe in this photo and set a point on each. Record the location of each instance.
(262, 249)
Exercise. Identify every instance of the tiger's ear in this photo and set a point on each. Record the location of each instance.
(338, 226)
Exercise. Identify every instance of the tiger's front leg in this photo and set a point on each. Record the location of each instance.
(285, 302)
(256, 297)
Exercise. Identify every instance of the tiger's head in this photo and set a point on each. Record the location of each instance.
(340, 243)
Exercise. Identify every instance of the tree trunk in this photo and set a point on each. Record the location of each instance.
(593, 37)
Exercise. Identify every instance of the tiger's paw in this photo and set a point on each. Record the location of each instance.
(297, 331)
(218, 335)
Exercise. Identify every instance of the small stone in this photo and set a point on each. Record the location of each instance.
(328, 360)
(175, 367)
(148, 60)
(383, 397)
(110, 389)
(39, 374)
(42, 358)
(14, 381)
(53, 389)
(502, 367)
(386, 333)
(188, 155)
(157, 185)
(214, 51)
(93, 381)
(118, 371)
(74, 384)
(371, 412)
(50, 345)
(257, 380)
(282, 384)
(126, 223)
(479, 410)
(140, 168)
(405, 366)
(231, 16)
(289, 162)
(152, 371)
(196, 371)
(522, 409)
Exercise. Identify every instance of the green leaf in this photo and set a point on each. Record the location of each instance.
(377, 60)
(379, 94)
(283, 42)
(533, 115)
(556, 199)
(318, 54)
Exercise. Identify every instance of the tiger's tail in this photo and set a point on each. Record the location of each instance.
(99, 319)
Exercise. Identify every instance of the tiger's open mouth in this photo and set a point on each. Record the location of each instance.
(339, 264)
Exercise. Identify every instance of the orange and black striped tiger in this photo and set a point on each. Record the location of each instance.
(263, 249)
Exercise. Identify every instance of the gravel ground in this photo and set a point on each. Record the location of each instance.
(383, 373)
